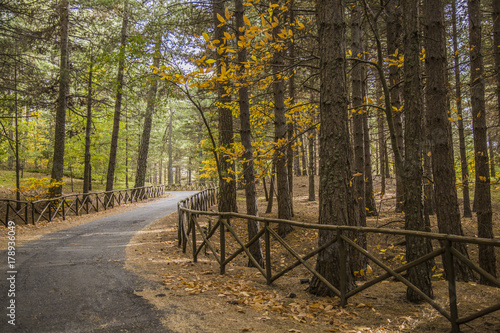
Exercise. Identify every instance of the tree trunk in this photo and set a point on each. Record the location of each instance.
(439, 127)
(88, 131)
(170, 158)
(337, 205)
(496, 52)
(227, 189)
(280, 130)
(312, 187)
(291, 91)
(269, 207)
(460, 122)
(487, 259)
(492, 153)
(118, 102)
(246, 140)
(394, 49)
(370, 204)
(416, 247)
(142, 155)
(382, 147)
(358, 181)
(62, 104)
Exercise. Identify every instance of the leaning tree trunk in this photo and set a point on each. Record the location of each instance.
(439, 127)
(416, 247)
(280, 131)
(110, 177)
(336, 200)
(487, 259)
(60, 128)
(246, 140)
(142, 156)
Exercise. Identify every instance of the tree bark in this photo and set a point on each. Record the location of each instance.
(394, 49)
(336, 201)
(358, 180)
(246, 140)
(416, 247)
(280, 129)
(370, 204)
(312, 187)
(62, 104)
(487, 259)
(170, 171)
(88, 130)
(460, 123)
(142, 156)
(439, 127)
(110, 177)
(382, 146)
(496, 52)
(227, 186)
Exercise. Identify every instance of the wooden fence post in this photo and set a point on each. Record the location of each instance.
(343, 270)
(267, 240)
(7, 214)
(452, 287)
(193, 236)
(33, 213)
(222, 228)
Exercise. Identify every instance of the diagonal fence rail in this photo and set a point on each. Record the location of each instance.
(197, 235)
(33, 212)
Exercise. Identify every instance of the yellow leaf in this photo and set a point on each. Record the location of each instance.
(210, 61)
(300, 25)
(205, 35)
(220, 18)
(227, 14)
(369, 269)
(429, 154)
(451, 119)
(246, 20)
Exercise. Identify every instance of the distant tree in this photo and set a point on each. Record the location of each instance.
(110, 178)
(482, 200)
(62, 103)
(142, 156)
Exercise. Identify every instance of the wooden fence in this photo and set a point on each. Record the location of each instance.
(79, 204)
(192, 233)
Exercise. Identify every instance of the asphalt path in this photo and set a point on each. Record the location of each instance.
(74, 280)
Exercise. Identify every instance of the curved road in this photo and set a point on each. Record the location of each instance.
(74, 280)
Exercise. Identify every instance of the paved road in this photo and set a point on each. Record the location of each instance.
(74, 280)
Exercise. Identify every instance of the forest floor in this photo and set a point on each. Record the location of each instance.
(240, 300)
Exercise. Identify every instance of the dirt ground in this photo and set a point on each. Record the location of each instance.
(240, 300)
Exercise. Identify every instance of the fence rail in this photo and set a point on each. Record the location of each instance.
(189, 229)
(32, 212)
